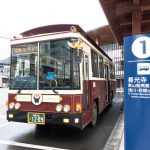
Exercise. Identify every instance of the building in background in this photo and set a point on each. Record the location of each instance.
(104, 37)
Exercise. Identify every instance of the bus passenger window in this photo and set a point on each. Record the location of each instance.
(101, 67)
(94, 59)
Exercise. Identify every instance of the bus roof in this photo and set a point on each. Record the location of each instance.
(61, 28)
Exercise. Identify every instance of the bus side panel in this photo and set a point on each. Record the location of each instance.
(97, 91)
(86, 103)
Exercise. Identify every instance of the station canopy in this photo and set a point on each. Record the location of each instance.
(127, 17)
(102, 35)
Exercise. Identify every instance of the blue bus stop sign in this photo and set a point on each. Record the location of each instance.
(137, 92)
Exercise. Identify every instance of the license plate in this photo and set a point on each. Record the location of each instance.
(36, 118)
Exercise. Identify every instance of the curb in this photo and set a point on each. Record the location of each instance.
(115, 138)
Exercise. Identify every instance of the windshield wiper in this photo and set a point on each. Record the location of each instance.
(53, 82)
(54, 90)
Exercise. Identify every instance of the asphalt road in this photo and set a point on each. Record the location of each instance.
(20, 136)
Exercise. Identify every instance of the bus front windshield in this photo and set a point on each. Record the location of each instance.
(23, 74)
(55, 67)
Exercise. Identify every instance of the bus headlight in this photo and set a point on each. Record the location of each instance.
(59, 108)
(17, 105)
(78, 107)
(66, 108)
(11, 105)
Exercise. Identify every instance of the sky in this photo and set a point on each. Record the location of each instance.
(17, 16)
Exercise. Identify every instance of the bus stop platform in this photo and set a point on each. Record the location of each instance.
(116, 139)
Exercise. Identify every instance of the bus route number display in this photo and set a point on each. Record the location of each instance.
(25, 48)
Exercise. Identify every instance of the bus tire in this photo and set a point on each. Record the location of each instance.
(94, 115)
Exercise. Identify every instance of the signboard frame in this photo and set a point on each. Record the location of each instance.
(137, 91)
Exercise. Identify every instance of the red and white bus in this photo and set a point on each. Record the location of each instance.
(59, 76)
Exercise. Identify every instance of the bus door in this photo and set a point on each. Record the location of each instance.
(86, 97)
(106, 71)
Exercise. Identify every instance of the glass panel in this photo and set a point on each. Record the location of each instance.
(23, 73)
(101, 67)
(76, 69)
(59, 67)
(112, 71)
(94, 57)
(86, 67)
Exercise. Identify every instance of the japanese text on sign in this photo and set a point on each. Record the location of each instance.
(138, 87)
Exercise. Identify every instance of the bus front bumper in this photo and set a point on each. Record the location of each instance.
(74, 120)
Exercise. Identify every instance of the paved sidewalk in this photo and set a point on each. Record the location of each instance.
(122, 143)
(116, 139)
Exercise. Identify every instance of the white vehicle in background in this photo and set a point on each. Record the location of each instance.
(3, 81)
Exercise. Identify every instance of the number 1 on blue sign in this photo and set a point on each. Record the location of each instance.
(143, 46)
